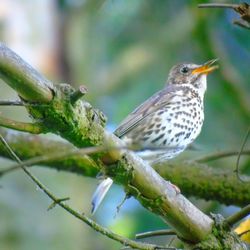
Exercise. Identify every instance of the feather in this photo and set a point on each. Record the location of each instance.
(154, 103)
(100, 193)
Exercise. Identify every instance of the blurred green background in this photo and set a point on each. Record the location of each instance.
(122, 51)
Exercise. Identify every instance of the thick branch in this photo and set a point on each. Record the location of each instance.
(208, 183)
(199, 181)
(28, 83)
(22, 144)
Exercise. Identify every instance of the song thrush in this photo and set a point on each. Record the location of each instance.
(165, 124)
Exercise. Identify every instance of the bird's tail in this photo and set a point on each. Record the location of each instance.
(100, 193)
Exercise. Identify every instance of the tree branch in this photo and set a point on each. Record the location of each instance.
(11, 103)
(239, 156)
(155, 233)
(218, 5)
(19, 103)
(231, 220)
(200, 180)
(243, 9)
(17, 73)
(219, 155)
(33, 128)
(206, 182)
(78, 94)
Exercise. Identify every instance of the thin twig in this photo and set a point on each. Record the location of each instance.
(78, 94)
(220, 155)
(218, 5)
(155, 233)
(11, 103)
(33, 128)
(242, 24)
(239, 155)
(156, 248)
(20, 103)
(53, 204)
(59, 155)
(236, 217)
(171, 241)
(245, 232)
(243, 9)
(82, 217)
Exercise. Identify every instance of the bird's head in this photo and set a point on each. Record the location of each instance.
(193, 74)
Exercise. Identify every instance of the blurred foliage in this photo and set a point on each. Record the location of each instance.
(122, 51)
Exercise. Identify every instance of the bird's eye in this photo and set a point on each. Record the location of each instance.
(184, 70)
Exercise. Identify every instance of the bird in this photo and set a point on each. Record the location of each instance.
(165, 124)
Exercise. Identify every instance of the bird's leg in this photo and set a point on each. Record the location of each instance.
(118, 208)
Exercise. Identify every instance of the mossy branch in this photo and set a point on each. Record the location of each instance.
(201, 181)
(209, 183)
(83, 126)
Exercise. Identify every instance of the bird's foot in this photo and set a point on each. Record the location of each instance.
(177, 189)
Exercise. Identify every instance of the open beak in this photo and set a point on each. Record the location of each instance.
(206, 68)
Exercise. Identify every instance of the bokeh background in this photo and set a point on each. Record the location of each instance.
(122, 51)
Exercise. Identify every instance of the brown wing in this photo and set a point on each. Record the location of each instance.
(152, 104)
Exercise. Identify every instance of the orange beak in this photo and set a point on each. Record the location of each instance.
(206, 68)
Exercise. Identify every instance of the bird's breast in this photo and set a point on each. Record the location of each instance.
(172, 127)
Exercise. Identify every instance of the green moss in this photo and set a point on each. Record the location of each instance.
(221, 238)
(121, 174)
(225, 188)
(80, 124)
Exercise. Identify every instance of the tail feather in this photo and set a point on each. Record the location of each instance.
(100, 193)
